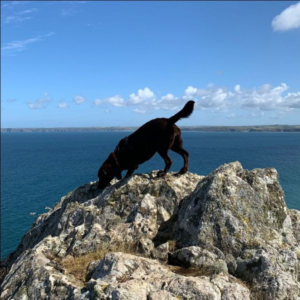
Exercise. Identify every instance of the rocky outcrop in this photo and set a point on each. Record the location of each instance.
(228, 235)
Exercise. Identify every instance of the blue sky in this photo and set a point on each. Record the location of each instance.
(73, 64)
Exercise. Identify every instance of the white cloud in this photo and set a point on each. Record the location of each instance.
(288, 19)
(215, 99)
(143, 95)
(264, 98)
(258, 102)
(117, 101)
(22, 45)
(293, 99)
(168, 97)
(63, 105)
(145, 101)
(79, 99)
(40, 103)
(189, 92)
(237, 88)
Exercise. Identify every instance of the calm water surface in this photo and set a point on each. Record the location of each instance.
(37, 169)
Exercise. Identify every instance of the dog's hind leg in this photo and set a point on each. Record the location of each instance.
(168, 162)
(177, 147)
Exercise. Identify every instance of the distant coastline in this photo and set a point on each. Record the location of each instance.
(261, 128)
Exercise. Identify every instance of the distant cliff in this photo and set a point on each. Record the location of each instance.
(261, 128)
(225, 236)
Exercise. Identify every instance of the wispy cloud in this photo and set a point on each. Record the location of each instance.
(27, 11)
(18, 16)
(287, 19)
(11, 100)
(63, 105)
(74, 2)
(22, 45)
(79, 99)
(16, 19)
(40, 103)
(72, 9)
(13, 4)
(255, 101)
(68, 12)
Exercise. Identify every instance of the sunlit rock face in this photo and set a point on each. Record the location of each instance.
(228, 235)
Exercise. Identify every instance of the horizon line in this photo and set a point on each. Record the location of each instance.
(132, 126)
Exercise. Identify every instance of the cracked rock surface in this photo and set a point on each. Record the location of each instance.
(228, 235)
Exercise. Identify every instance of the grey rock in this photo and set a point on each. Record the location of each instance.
(199, 258)
(228, 235)
(243, 214)
(35, 275)
(295, 222)
(125, 276)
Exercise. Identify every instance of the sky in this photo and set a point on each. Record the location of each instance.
(97, 63)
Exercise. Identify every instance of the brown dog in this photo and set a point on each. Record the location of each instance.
(158, 135)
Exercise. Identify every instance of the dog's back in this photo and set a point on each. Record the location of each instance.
(146, 141)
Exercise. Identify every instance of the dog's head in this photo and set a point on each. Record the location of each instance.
(108, 171)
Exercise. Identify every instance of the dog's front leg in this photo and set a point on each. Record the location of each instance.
(130, 171)
(119, 175)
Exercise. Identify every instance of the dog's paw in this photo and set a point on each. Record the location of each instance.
(161, 174)
(181, 172)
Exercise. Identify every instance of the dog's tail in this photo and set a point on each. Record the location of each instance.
(184, 113)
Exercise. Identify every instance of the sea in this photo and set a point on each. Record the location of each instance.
(37, 169)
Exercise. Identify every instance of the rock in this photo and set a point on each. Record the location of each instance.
(199, 258)
(35, 275)
(242, 213)
(128, 211)
(186, 237)
(232, 209)
(273, 274)
(295, 223)
(124, 276)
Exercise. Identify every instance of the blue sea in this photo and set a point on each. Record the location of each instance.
(37, 169)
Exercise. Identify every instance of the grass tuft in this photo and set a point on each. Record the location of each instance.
(78, 265)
